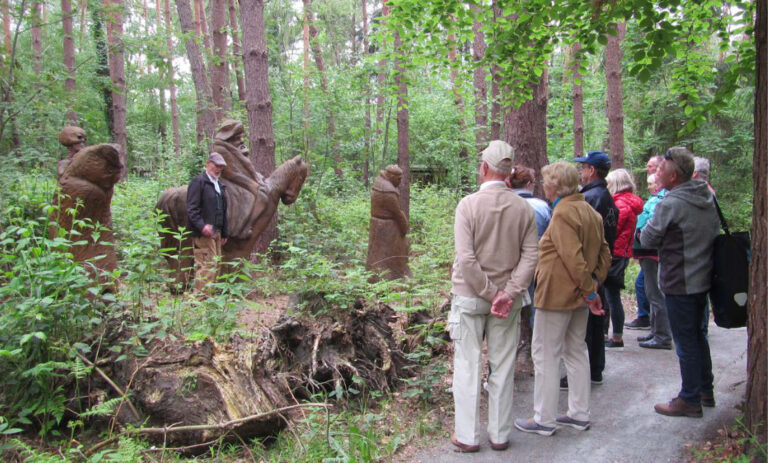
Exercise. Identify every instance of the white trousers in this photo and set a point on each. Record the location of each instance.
(469, 320)
(556, 335)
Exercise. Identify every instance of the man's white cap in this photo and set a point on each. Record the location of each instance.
(497, 151)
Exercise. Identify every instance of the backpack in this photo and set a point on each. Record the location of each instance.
(730, 276)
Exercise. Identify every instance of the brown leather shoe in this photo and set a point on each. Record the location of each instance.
(463, 448)
(499, 447)
(679, 407)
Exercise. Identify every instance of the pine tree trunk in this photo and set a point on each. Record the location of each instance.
(206, 118)
(171, 81)
(117, 73)
(305, 68)
(495, 92)
(162, 127)
(756, 408)
(102, 66)
(236, 50)
(578, 105)
(6, 27)
(526, 130)
(220, 59)
(206, 36)
(614, 107)
(403, 155)
(314, 45)
(381, 98)
(481, 89)
(257, 100)
(69, 59)
(367, 109)
(37, 37)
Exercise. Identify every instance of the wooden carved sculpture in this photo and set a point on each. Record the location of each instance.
(387, 241)
(252, 201)
(86, 185)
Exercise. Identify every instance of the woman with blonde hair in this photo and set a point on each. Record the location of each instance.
(622, 188)
(573, 258)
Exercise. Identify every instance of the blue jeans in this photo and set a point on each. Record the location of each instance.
(643, 306)
(686, 313)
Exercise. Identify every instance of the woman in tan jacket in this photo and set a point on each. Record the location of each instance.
(573, 258)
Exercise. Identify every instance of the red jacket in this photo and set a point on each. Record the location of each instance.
(629, 207)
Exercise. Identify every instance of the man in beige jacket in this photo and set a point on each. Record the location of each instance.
(496, 247)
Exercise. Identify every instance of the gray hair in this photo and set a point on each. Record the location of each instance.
(620, 180)
(702, 166)
(562, 176)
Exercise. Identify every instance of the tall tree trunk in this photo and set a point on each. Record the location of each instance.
(305, 68)
(481, 89)
(162, 70)
(206, 36)
(495, 92)
(117, 73)
(83, 21)
(37, 37)
(614, 107)
(236, 51)
(381, 97)
(756, 409)
(69, 59)
(171, 81)
(206, 118)
(403, 155)
(314, 45)
(526, 130)
(257, 100)
(367, 109)
(6, 27)
(102, 65)
(458, 100)
(219, 61)
(578, 104)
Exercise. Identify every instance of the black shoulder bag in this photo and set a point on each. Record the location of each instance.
(730, 276)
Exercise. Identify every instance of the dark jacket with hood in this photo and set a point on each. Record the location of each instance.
(597, 195)
(683, 229)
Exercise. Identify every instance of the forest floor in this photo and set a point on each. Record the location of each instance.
(625, 427)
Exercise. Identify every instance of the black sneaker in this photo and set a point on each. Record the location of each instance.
(564, 383)
(655, 344)
(644, 338)
(639, 323)
(597, 379)
(615, 345)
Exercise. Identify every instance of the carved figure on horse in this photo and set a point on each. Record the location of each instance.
(252, 201)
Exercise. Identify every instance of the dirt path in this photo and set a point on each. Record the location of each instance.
(624, 426)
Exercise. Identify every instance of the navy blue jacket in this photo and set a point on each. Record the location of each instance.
(202, 204)
(597, 195)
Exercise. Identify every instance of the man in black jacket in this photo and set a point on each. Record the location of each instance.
(207, 219)
(593, 168)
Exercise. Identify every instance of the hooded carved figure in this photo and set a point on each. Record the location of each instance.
(387, 242)
(73, 138)
(87, 185)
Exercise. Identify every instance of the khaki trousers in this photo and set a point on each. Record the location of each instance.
(469, 320)
(556, 335)
(207, 255)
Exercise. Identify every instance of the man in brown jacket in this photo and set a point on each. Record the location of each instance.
(496, 245)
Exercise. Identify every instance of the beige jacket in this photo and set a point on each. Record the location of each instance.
(571, 252)
(495, 243)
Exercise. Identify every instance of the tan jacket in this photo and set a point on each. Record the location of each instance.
(495, 243)
(571, 251)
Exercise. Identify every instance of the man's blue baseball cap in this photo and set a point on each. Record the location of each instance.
(596, 159)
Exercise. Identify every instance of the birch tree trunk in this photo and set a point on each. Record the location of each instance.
(206, 119)
(756, 409)
(578, 104)
(117, 74)
(236, 51)
(69, 59)
(220, 59)
(171, 81)
(257, 100)
(613, 106)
